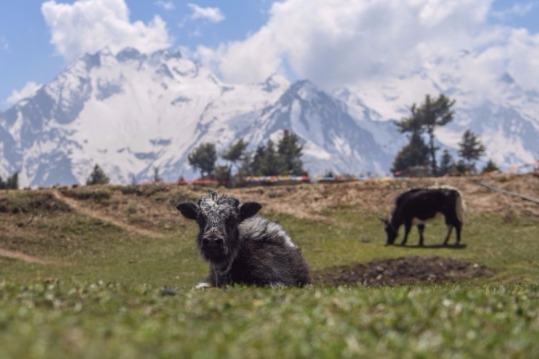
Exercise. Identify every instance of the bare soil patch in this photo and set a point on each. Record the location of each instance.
(377, 196)
(401, 271)
(75, 206)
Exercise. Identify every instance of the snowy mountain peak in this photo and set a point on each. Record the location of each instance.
(130, 54)
(132, 112)
(275, 81)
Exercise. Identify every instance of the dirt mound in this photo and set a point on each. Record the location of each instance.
(403, 270)
(313, 201)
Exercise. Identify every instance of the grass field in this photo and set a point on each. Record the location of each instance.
(82, 272)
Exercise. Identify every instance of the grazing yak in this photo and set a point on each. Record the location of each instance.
(418, 205)
(242, 248)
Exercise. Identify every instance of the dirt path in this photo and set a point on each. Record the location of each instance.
(75, 206)
(21, 256)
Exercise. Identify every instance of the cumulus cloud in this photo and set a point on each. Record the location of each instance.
(212, 14)
(27, 91)
(90, 25)
(341, 42)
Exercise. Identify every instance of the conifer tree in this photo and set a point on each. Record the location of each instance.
(470, 149)
(289, 150)
(490, 167)
(222, 175)
(97, 176)
(431, 114)
(447, 163)
(414, 154)
(203, 158)
(266, 161)
(13, 181)
(234, 154)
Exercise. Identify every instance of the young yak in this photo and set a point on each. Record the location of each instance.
(241, 247)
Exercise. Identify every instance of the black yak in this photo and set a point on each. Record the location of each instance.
(242, 248)
(418, 205)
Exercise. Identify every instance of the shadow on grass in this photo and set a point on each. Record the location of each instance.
(436, 246)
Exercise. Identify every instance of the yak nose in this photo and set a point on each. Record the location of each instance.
(213, 237)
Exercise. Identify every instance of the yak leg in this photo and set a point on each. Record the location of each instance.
(407, 227)
(449, 229)
(421, 229)
(458, 227)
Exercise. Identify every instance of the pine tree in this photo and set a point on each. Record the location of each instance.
(289, 150)
(447, 163)
(414, 154)
(203, 158)
(13, 181)
(266, 161)
(490, 167)
(234, 154)
(2, 183)
(97, 176)
(222, 175)
(470, 149)
(245, 165)
(436, 113)
(426, 118)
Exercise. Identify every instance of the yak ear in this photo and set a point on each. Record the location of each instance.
(188, 209)
(249, 209)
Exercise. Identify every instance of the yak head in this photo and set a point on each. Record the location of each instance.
(218, 218)
(391, 231)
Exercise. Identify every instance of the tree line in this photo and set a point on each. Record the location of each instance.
(269, 159)
(12, 182)
(418, 156)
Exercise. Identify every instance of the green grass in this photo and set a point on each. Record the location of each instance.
(112, 320)
(100, 294)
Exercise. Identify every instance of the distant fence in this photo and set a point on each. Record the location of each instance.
(331, 178)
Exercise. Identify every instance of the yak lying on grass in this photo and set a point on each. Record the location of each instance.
(242, 248)
(418, 205)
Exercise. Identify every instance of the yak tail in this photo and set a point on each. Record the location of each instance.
(460, 206)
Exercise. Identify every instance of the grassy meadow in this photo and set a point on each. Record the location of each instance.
(82, 273)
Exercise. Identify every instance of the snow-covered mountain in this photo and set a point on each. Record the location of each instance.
(503, 114)
(130, 112)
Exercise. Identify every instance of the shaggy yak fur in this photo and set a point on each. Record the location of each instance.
(242, 248)
(418, 205)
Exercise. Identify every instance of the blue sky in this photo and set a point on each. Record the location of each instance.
(245, 40)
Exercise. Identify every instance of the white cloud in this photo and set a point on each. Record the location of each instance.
(343, 42)
(166, 5)
(27, 91)
(212, 14)
(90, 25)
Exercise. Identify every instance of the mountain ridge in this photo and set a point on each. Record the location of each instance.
(130, 112)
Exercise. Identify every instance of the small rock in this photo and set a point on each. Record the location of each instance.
(168, 291)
